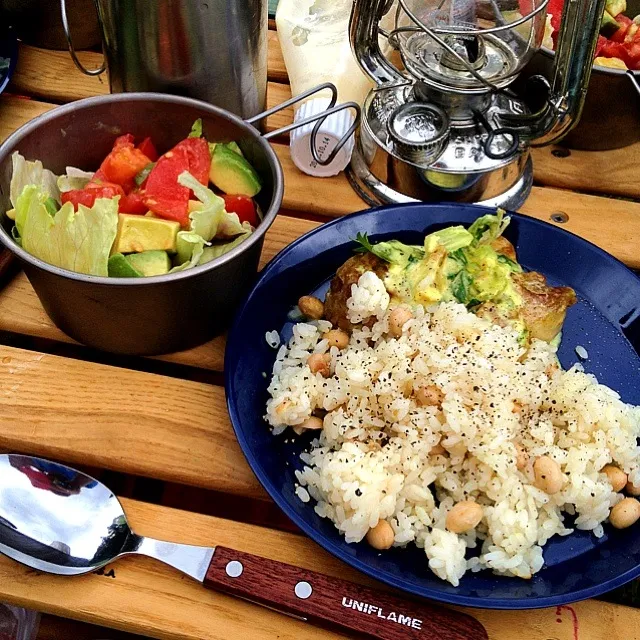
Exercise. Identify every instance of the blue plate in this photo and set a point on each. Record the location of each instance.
(8, 55)
(606, 321)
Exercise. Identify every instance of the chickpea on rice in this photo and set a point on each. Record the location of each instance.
(435, 427)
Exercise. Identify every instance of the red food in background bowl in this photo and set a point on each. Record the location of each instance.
(611, 114)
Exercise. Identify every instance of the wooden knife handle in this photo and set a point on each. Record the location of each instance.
(328, 601)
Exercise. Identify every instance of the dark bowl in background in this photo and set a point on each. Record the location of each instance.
(611, 115)
(141, 316)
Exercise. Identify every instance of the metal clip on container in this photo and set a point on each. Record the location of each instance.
(317, 118)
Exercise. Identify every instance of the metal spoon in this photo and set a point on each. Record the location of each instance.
(62, 521)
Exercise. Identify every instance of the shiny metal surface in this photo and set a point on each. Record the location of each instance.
(72, 50)
(494, 69)
(363, 33)
(59, 520)
(463, 151)
(419, 131)
(465, 67)
(214, 51)
(572, 67)
(387, 180)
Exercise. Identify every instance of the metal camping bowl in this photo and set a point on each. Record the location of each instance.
(611, 115)
(159, 314)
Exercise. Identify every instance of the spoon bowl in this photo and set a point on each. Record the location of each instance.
(58, 520)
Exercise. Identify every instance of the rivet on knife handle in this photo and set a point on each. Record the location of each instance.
(329, 601)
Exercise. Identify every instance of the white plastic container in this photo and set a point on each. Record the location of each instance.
(314, 36)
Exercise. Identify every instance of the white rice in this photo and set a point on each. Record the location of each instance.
(273, 339)
(372, 459)
(368, 298)
(581, 352)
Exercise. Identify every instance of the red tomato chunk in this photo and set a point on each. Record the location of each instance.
(124, 163)
(164, 196)
(244, 207)
(90, 194)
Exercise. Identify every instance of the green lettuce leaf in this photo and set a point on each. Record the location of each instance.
(51, 206)
(25, 172)
(204, 221)
(392, 251)
(487, 228)
(16, 236)
(80, 242)
(144, 174)
(217, 250)
(230, 226)
(451, 238)
(208, 222)
(189, 249)
(74, 179)
(196, 129)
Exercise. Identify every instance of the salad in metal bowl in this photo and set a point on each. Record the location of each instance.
(140, 213)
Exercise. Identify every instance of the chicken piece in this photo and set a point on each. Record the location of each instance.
(502, 316)
(544, 307)
(335, 304)
(502, 246)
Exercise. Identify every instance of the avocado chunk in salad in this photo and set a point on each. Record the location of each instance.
(139, 213)
(231, 172)
(120, 267)
(615, 7)
(142, 233)
(609, 25)
(150, 263)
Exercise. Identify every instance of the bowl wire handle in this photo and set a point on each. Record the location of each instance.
(634, 81)
(318, 118)
(72, 51)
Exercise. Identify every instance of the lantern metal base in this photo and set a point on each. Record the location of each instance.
(507, 187)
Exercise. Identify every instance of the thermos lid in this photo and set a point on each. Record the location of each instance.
(330, 133)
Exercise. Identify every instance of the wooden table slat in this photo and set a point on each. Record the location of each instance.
(120, 419)
(145, 597)
(52, 75)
